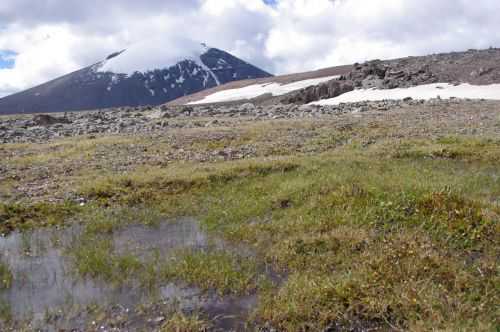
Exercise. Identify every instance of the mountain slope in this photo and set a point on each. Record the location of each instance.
(476, 71)
(282, 80)
(101, 86)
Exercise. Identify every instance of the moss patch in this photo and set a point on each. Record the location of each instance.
(23, 216)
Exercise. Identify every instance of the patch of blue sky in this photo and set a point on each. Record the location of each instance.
(270, 2)
(7, 59)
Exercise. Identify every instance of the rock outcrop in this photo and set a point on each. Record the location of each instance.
(477, 67)
(382, 75)
(325, 90)
(474, 67)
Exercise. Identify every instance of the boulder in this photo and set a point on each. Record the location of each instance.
(158, 114)
(187, 110)
(247, 107)
(48, 120)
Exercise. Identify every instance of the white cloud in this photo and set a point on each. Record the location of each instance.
(43, 53)
(53, 37)
(312, 34)
(55, 44)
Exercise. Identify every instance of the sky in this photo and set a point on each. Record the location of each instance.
(43, 39)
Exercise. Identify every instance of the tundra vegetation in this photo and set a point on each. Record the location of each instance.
(372, 226)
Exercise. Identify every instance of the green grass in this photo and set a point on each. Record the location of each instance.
(399, 234)
(179, 322)
(69, 149)
(175, 188)
(406, 240)
(99, 220)
(94, 257)
(450, 147)
(400, 280)
(5, 312)
(385, 241)
(5, 276)
(224, 272)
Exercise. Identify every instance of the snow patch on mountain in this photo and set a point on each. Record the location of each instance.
(252, 91)
(200, 63)
(427, 91)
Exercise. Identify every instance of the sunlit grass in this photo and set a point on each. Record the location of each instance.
(67, 149)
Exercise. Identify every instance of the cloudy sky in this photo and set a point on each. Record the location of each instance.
(43, 39)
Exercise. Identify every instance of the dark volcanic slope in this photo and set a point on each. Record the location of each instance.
(90, 88)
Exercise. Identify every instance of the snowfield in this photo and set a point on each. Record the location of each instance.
(252, 91)
(428, 91)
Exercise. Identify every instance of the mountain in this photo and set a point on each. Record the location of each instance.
(466, 74)
(111, 84)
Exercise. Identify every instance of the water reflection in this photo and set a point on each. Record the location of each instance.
(45, 282)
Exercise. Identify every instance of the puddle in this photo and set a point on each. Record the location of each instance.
(45, 282)
(168, 237)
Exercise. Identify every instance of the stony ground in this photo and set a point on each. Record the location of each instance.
(125, 139)
(383, 215)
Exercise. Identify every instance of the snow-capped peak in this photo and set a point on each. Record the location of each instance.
(153, 54)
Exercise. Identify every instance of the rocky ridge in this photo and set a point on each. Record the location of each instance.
(477, 67)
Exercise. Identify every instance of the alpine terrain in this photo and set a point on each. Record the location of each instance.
(106, 84)
(355, 198)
